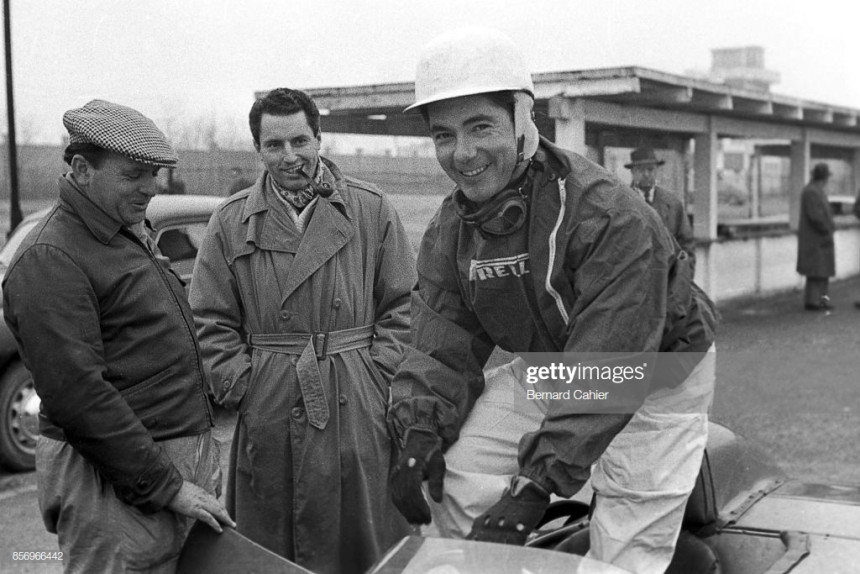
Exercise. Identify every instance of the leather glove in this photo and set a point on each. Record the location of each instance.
(420, 459)
(512, 518)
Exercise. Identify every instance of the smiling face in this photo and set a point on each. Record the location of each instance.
(287, 147)
(475, 144)
(121, 187)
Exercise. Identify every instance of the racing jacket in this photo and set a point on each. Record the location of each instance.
(593, 270)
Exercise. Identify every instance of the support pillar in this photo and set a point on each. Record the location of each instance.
(569, 116)
(705, 203)
(798, 177)
(855, 172)
(755, 185)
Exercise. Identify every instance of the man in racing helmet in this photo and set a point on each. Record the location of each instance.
(538, 249)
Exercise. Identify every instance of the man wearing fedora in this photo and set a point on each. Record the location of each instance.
(816, 256)
(643, 167)
(125, 460)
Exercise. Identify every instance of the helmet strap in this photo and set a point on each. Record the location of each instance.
(525, 130)
(521, 144)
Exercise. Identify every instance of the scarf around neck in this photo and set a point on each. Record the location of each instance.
(301, 198)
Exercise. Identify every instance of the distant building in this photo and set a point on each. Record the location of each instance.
(737, 152)
(740, 68)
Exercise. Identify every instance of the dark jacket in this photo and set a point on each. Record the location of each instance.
(671, 210)
(105, 328)
(816, 256)
(595, 270)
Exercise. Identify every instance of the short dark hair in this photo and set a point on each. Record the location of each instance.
(283, 102)
(94, 154)
(504, 99)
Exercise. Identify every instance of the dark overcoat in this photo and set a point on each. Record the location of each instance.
(673, 213)
(816, 256)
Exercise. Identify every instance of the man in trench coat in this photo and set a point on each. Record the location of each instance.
(301, 293)
(816, 256)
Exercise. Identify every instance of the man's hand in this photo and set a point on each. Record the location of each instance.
(420, 459)
(193, 501)
(512, 518)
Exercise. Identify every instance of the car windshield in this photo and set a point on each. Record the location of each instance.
(8, 250)
(415, 555)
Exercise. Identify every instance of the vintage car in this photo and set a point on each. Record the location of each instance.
(180, 221)
(745, 516)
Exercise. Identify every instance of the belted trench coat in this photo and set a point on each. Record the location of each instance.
(310, 455)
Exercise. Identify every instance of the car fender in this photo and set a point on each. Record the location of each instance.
(8, 345)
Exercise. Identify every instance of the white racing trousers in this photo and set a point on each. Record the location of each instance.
(641, 482)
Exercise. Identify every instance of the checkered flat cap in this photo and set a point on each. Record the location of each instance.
(119, 129)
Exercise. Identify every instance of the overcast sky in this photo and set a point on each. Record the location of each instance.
(175, 59)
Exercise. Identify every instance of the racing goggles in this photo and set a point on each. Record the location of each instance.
(504, 214)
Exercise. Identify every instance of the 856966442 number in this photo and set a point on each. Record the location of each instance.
(37, 556)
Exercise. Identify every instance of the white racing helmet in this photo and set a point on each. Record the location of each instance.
(474, 60)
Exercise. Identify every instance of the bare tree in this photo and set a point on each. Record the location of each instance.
(26, 128)
(202, 131)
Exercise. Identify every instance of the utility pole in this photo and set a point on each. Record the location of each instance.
(11, 145)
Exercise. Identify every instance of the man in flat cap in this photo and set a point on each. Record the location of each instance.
(126, 459)
(643, 168)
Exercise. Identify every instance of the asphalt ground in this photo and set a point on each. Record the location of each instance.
(787, 379)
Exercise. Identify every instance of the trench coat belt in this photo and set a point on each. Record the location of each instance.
(311, 348)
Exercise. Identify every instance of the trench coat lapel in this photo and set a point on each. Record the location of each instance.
(276, 234)
(269, 227)
(327, 232)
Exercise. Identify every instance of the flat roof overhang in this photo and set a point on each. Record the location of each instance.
(631, 97)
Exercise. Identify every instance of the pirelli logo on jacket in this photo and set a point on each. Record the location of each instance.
(515, 265)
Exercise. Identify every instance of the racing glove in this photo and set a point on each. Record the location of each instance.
(512, 518)
(420, 459)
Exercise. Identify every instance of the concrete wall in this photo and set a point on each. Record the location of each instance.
(38, 170)
(208, 172)
(742, 267)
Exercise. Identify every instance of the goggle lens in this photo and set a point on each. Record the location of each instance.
(509, 218)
